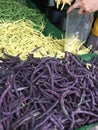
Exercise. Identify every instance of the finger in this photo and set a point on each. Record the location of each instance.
(73, 7)
(81, 11)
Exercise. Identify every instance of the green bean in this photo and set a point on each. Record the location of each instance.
(11, 10)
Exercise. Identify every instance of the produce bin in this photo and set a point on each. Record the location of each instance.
(56, 33)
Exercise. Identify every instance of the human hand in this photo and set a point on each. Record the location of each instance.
(77, 4)
(86, 6)
(90, 5)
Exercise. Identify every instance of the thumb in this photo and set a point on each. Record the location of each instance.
(72, 8)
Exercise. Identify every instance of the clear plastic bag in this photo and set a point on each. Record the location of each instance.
(78, 25)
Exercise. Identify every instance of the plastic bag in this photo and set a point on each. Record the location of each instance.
(78, 25)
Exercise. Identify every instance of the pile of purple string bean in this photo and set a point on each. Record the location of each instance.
(48, 93)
